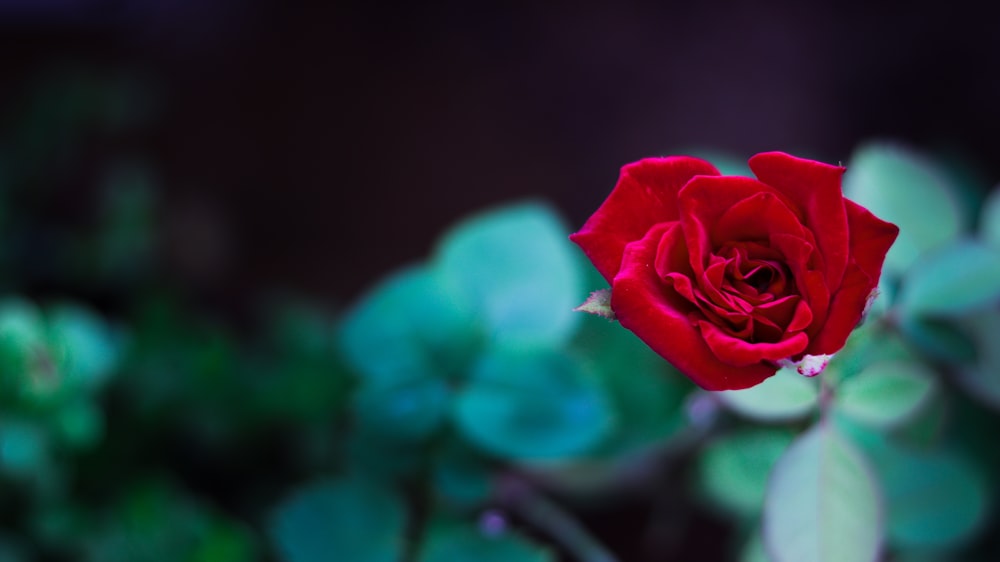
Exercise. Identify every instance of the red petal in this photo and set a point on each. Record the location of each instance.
(740, 353)
(846, 308)
(645, 195)
(703, 201)
(814, 188)
(756, 218)
(659, 318)
(871, 238)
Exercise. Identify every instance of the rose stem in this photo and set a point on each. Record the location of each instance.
(546, 515)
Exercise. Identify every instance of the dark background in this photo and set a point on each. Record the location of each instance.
(316, 146)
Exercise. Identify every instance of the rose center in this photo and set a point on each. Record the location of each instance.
(761, 278)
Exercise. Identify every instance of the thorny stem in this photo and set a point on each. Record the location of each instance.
(547, 516)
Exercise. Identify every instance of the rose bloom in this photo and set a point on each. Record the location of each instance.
(730, 277)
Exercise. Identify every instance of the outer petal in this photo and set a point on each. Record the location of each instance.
(660, 319)
(871, 238)
(846, 308)
(814, 187)
(645, 195)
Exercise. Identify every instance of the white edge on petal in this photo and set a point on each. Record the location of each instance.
(809, 366)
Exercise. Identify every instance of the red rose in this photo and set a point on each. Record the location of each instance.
(729, 277)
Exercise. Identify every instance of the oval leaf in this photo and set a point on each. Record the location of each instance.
(785, 396)
(532, 405)
(886, 394)
(345, 519)
(935, 500)
(517, 271)
(989, 219)
(982, 379)
(411, 315)
(954, 280)
(903, 188)
(822, 502)
(733, 470)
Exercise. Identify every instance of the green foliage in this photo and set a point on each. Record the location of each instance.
(785, 396)
(349, 519)
(957, 279)
(733, 470)
(886, 394)
(447, 543)
(532, 405)
(516, 272)
(989, 220)
(935, 499)
(822, 502)
(906, 189)
(156, 430)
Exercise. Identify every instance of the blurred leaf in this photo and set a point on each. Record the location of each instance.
(869, 343)
(753, 550)
(822, 502)
(935, 499)
(348, 519)
(982, 379)
(734, 469)
(460, 476)
(463, 542)
(902, 187)
(406, 328)
(11, 549)
(785, 396)
(159, 523)
(989, 219)
(24, 448)
(532, 405)
(80, 424)
(645, 392)
(940, 339)
(85, 348)
(953, 280)
(516, 270)
(886, 394)
(411, 410)
(26, 363)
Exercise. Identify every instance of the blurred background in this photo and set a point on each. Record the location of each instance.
(224, 156)
(316, 145)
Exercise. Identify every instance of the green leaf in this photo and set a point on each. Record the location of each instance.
(785, 396)
(84, 346)
(461, 476)
(989, 219)
(822, 502)
(407, 328)
(645, 392)
(953, 280)
(516, 270)
(982, 379)
(753, 550)
(532, 405)
(349, 519)
(410, 410)
(886, 394)
(463, 542)
(902, 187)
(24, 448)
(733, 469)
(935, 499)
(940, 339)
